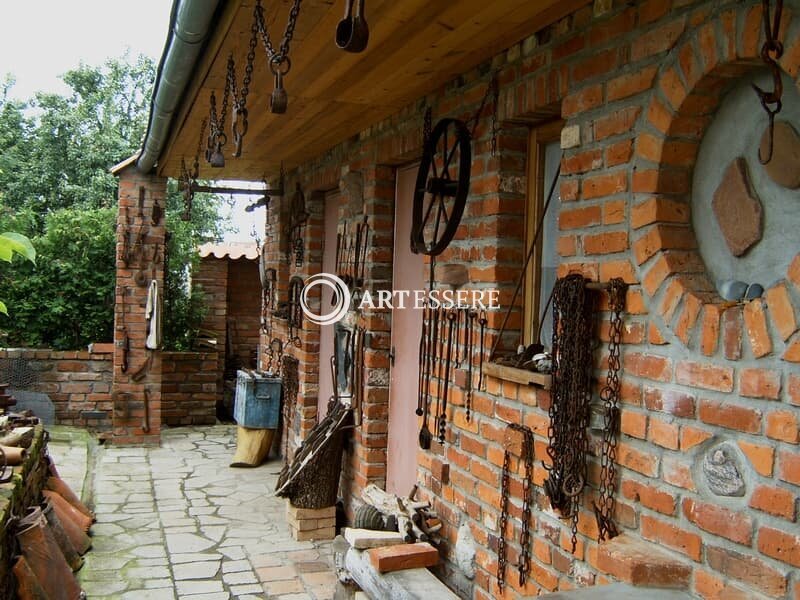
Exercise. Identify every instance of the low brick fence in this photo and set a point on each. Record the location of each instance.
(78, 385)
(189, 388)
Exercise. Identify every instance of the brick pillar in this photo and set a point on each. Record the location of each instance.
(212, 280)
(138, 242)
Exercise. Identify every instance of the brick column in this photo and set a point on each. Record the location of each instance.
(139, 241)
(212, 280)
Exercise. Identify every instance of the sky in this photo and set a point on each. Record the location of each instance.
(40, 41)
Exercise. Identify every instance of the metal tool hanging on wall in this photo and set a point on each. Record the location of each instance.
(771, 52)
(525, 453)
(610, 395)
(442, 185)
(568, 443)
(352, 32)
(297, 220)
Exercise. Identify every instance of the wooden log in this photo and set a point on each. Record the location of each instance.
(406, 556)
(252, 446)
(14, 456)
(410, 584)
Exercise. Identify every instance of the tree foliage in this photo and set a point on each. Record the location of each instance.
(55, 156)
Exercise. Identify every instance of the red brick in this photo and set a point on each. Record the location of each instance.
(649, 366)
(732, 333)
(760, 383)
(789, 469)
(582, 162)
(661, 181)
(649, 496)
(579, 217)
(586, 99)
(779, 545)
(404, 556)
(624, 270)
(688, 317)
(621, 121)
(673, 89)
(636, 460)
(761, 457)
(630, 84)
(794, 271)
(657, 40)
(654, 335)
(747, 569)
(669, 263)
(614, 211)
(783, 425)
(672, 536)
(730, 416)
(704, 375)
(663, 434)
(781, 310)
(663, 237)
(773, 500)
(692, 436)
(756, 323)
(793, 389)
(710, 587)
(659, 210)
(605, 243)
(709, 338)
(607, 184)
(612, 28)
(633, 424)
(792, 353)
(732, 525)
(594, 65)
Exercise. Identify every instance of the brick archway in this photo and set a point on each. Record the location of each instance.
(686, 94)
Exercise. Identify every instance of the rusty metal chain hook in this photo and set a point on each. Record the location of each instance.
(771, 52)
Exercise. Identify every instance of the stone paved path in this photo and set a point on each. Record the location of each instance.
(176, 522)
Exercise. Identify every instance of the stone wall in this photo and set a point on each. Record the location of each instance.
(637, 85)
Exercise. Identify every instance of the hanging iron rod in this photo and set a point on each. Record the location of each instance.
(212, 189)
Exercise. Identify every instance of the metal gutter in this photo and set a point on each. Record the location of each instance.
(190, 25)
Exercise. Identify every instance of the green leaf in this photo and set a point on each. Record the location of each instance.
(17, 243)
(3, 308)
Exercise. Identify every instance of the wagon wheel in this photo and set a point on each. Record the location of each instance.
(442, 186)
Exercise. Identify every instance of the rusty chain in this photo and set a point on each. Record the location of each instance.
(281, 55)
(240, 113)
(492, 91)
(610, 395)
(524, 565)
(771, 52)
(568, 442)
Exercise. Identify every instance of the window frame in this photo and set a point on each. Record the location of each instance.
(539, 137)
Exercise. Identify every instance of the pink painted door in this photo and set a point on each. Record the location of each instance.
(331, 219)
(406, 328)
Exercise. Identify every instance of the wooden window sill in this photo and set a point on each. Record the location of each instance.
(521, 376)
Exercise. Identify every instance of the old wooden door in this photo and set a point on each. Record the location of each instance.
(326, 346)
(408, 274)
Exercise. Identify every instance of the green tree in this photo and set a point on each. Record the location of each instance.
(55, 156)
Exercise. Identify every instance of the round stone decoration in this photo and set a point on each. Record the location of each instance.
(722, 471)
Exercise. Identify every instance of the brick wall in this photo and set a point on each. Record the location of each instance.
(212, 279)
(638, 84)
(78, 384)
(244, 308)
(188, 388)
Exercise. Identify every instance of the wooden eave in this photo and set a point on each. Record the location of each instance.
(415, 47)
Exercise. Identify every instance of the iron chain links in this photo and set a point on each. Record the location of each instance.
(771, 52)
(610, 395)
(524, 565)
(571, 393)
(277, 58)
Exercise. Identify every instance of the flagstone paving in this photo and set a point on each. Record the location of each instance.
(177, 522)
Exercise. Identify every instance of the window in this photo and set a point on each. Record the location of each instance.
(544, 155)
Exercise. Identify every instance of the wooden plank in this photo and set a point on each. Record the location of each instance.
(362, 539)
(405, 556)
(522, 376)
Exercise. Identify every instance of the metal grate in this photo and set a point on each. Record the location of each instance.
(19, 373)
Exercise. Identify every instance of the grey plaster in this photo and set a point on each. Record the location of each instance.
(736, 131)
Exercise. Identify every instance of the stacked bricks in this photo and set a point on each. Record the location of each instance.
(189, 388)
(637, 85)
(244, 308)
(77, 383)
(311, 523)
(131, 423)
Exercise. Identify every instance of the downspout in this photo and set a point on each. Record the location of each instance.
(190, 24)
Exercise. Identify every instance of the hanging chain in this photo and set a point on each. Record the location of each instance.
(492, 91)
(524, 566)
(188, 178)
(568, 442)
(610, 395)
(283, 50)
(217, 137)
(240, 123)
(771, 52)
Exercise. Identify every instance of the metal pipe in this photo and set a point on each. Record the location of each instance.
(190, 24)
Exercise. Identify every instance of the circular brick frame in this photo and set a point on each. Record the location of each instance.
(686, 94)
